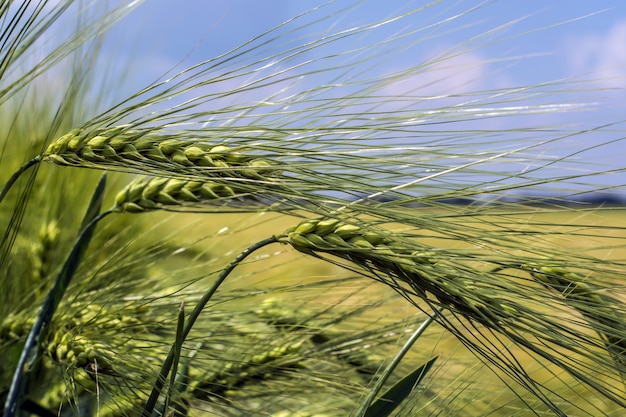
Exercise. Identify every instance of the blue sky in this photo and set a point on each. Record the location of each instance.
(581, 39)
(578, 40)
(169, 30)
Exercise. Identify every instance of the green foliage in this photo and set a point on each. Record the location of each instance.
(30, 357)
(335, 173)
(385, 405)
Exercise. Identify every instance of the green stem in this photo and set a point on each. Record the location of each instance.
(30, 352)
(178, 345)
(395, 362)
(169, 361)
(16, 175)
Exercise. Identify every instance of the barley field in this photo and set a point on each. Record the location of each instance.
(194, 250)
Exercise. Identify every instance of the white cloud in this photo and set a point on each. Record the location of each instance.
(602, 56)
(447, 77)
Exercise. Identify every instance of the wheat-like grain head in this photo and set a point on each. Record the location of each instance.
(517, 313)
(123, 148)
(382, 252)
(158, 193)
(589, 301)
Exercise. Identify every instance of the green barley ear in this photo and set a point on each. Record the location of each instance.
(123, 148)
(590, 302)
(194, 174)
(480, 297)
(265, 364)
(37, 254)
(158, 193)
(409, 265)
(42, 249)
(14, 328)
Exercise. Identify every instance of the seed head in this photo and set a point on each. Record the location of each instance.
(170, 193)
(386, 255)
(124, 148)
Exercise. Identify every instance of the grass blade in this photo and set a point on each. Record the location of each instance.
(177, 351)
(30, 352)
(399, 392)
(365, 409)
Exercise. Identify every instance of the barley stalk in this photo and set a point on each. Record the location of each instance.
(193, 316)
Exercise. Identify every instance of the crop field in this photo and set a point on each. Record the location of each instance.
(461, 382)
(268, 230)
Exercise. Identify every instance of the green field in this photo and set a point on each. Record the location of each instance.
(461, 384)
(241, 237)
(343, 326)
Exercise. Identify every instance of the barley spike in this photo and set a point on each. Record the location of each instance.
(589, 302)
(479, 297)
(174, 194)
(380, 251)
(122, 147)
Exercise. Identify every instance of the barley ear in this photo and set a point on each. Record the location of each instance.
(588, 300)
(146, 194)
(124, 148)
(382, 251)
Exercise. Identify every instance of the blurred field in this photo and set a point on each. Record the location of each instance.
(601, 233)
(200, 245)
(460, 383)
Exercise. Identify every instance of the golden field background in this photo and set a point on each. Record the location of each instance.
(461, 383)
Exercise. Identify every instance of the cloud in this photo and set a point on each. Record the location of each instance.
(603, 56)
(447, 77)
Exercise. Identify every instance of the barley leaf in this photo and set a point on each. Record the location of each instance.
(30, 352)
(178, 344)
(399, 392)
(368, 402)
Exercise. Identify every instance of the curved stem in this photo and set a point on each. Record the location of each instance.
(169, 361)
(7, 186)
(396, 361)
